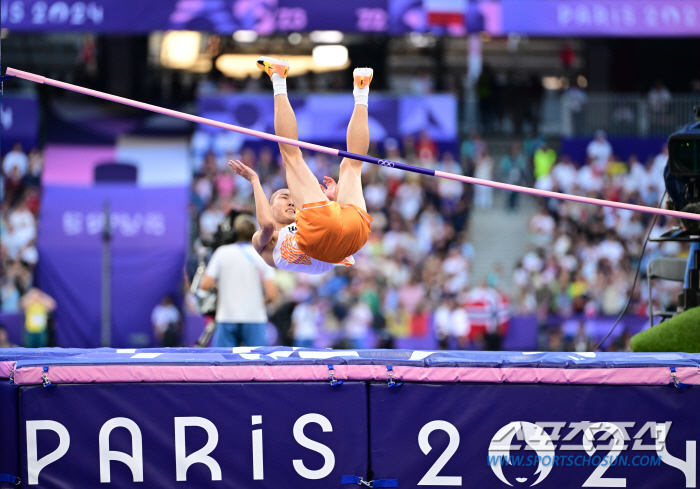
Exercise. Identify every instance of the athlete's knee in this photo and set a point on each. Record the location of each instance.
(351, 166)
(291, 156)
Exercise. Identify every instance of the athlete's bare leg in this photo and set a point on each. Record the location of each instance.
(303, 184)
(350, 178)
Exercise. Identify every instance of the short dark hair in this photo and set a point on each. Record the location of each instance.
(274, 194)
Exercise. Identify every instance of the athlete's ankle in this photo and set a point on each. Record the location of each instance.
(279, 84)
(361, 95)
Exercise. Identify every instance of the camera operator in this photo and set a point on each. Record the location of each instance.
(683, 187)
(244, 282)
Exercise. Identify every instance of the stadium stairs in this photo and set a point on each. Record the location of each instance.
(499, 235)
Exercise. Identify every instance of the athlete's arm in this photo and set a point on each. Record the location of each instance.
(263, 211)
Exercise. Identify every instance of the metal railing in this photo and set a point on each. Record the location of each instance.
(627, 114)
(618, 114)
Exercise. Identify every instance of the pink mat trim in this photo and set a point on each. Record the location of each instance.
(5, 369)
(265, 373)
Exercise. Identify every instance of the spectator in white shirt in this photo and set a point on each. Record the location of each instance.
(564, 174)
(483, 196)
(409, 198)
(209, 220)
(637, 178)
(599, 151)
(588, 180)
(451, 323)
(166, 320)
(21, 229)
(357, 324)
(15, 158)
(612, 249)
(305, 323)
(657, 168)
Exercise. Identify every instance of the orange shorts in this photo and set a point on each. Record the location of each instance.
(330, 232)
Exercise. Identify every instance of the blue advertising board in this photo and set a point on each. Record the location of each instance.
(324, 118)
(230, 435)
(19, 122)
(148, 246)
(477, 436)
(170, 417)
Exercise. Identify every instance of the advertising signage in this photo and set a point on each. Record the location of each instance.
(555, 18)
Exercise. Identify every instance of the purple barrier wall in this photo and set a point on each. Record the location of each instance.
(236, 435)
(19, 119)
(9, 431)
(622, 147)
(148, 252)
(458, 435)
(14, 323)
(440, 432)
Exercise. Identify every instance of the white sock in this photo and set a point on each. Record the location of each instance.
(279, 84)
(361, 95)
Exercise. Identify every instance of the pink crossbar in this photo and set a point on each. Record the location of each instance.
(315, 147)
(67, 374)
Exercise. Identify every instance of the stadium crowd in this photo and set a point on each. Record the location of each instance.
(581, 258)
(415, 272)
(414, 275)
(19, 211)
(21, 191)
(418, 258)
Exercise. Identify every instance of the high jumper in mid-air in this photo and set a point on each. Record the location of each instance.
(311, 227)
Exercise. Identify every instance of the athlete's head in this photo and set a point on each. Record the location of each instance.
(245, 227)
(283, 209)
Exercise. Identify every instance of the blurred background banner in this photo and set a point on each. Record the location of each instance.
(19, 119)
(635, 18)
(451, 17)
(133, 16)
(148, 248)
(324, 118)
(663, 18)
(140, 218)
(263, 16)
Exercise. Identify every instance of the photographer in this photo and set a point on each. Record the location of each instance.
(241, 276)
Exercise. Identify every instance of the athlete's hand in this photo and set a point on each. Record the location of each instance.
(330, 188)
(243, 170)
